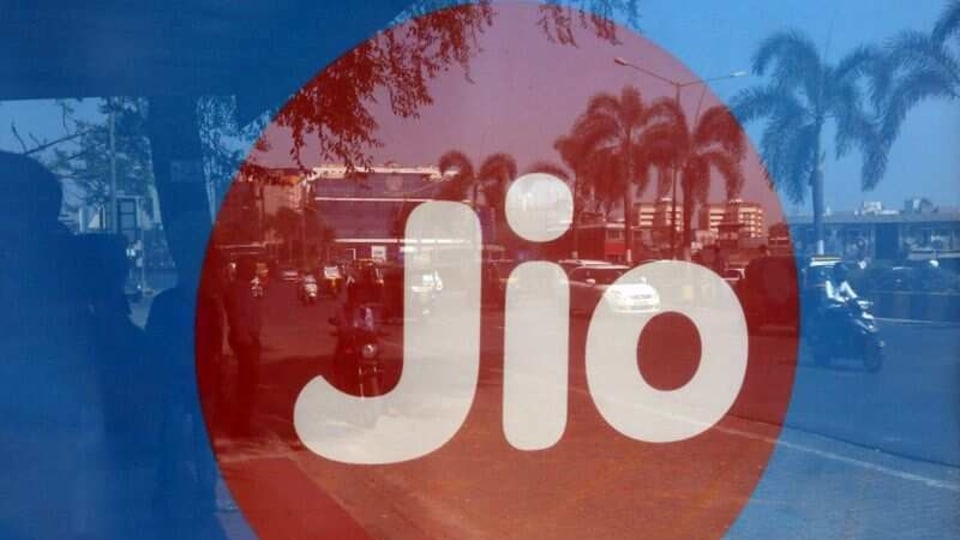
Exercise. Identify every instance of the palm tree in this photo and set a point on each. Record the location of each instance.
(558, 171)
(463, 181)
(491, 179)
(804, 93)
(576, 157)
(715, 142)
(920, 66)
(613, 132)
(496, 173)
(286, 223)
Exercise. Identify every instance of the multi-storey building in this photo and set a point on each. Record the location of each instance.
(744, 218)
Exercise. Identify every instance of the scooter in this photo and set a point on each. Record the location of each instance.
(849, 331)
(309, 291)
(256, 287)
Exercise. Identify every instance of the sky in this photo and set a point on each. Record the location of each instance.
(523, 92)
(712, 35)
(708, 37)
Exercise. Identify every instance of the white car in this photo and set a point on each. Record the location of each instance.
(591, 284)
(733, 276)
(569, 265)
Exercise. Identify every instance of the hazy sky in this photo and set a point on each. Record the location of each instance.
(710, 36)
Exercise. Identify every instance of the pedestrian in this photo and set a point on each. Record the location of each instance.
(244, 318)
(185, 335)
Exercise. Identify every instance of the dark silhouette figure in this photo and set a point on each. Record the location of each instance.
(128, 384)
(364, 287)
(49, 387)
(243, 307)
(185, 333)
(713, 259)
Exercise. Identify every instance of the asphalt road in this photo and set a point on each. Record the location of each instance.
(858, 455)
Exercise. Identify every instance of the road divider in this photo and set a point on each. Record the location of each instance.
(938, 307)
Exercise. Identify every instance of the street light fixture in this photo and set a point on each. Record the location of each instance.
(677, 87)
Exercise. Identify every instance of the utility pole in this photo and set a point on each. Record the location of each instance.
(114, 207)
(303, 222)
(677, 87)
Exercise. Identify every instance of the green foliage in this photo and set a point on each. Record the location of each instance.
(86, 161)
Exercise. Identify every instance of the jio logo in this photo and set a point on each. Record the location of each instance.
(515, 408)
(442, 353)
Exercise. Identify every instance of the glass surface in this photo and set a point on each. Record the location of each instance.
(453, 174)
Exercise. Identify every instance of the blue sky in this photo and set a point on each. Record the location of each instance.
(713, 37)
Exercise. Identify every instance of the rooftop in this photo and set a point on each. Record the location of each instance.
(851, 218)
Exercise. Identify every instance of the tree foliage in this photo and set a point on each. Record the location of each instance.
(919, 66)
(803, 93)
(615, 136)
(332, 113)
(715, 142)
(85, 162)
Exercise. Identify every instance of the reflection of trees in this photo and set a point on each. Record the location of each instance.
(493, 176)
(318, 235)
(85, 158)
(303, 233)
(286, 223)
(804, 93)
(615, 132)
(240, 221)
(715, 142)
(559, 19)
(397, 65)
(576, 157)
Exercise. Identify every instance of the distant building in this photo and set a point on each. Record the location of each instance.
(745, 217)
(607, 241)
(918, 205)
(276, 197)
(658, 214)
(883, 236)
(874, 208)
(366, 209)
(655, 220)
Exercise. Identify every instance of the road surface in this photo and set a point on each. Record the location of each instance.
(859, 455)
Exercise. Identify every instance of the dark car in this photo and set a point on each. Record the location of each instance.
(769, 293)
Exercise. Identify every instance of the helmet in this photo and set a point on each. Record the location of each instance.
(840, 271)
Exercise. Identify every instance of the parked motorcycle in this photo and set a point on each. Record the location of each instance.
(847, 330)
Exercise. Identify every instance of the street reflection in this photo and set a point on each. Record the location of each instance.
(516, 365)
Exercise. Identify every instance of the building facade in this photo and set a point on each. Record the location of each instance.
(748, 215)
(883, 236)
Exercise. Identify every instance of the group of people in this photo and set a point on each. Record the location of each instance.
(108, 408)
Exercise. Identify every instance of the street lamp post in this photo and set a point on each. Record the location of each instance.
(677, 87)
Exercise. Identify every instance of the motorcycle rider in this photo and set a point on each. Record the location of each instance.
(837, 288)
(837, 293)
(307, 285)
(364, 287)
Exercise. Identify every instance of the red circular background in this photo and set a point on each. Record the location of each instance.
(520, 88)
